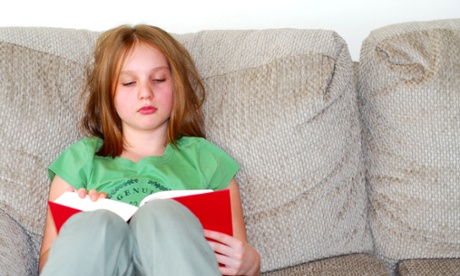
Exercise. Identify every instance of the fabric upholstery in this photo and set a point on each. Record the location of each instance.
(40, 86)
(286, 109)
(428, 267)
(349, 265)
(18, 253)
(410, 89)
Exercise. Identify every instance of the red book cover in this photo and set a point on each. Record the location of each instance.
(213, 209)
(61, 213)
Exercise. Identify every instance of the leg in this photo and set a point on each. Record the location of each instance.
(91, 243)
(169, 240)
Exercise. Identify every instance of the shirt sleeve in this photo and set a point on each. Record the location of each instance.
(218, 167)
(73, 165)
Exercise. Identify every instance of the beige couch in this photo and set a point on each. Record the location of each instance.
(346, 169)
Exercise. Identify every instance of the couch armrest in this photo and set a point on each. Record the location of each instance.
(17, 254)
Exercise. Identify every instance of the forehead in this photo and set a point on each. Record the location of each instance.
(143, 57)
(143, 49)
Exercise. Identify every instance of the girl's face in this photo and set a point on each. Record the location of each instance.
(144, 94)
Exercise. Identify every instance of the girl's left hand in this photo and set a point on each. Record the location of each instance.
(236, 256)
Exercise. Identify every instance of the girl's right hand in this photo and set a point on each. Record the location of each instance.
(93, 194)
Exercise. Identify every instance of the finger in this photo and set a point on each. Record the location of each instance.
(217, 236)
(70, 189)
(225, 261)
(221, 249)
(225, 244)
(82, 192)
(224, 270)
(229, 266)
(102, 195)
(93, 195)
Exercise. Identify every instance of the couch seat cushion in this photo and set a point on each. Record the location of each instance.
(428, 267)
(354, 264)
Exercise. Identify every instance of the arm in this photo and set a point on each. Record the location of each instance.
(237, 256)
(58, 187)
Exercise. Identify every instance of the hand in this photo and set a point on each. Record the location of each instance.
(93, 194)
(236, 256)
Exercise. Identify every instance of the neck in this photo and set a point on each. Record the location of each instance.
(140, 145)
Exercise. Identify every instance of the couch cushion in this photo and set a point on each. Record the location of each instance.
(410, 88)
(353, 264)
(428, 267)
(18, 253)
(283, 103)
(40, 81)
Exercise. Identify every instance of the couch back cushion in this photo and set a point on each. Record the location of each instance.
(410, 88)
(41, 74)
(282, 102)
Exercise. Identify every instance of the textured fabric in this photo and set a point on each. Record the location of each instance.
(283, 104)
(68, 44)
(195, 164)
(18, 254)
(429, 267)
(39, 109)
(410, 89)
(350, 265)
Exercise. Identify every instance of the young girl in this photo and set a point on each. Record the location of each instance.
(143, 117)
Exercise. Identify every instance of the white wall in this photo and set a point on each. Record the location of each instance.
(352, 19)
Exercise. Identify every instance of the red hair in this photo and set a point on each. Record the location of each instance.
(100, 117)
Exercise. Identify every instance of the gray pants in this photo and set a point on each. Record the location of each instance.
(162, 238)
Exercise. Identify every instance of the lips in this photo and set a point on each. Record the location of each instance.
(146, 110)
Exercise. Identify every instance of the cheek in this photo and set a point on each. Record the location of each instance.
(117, 101)
(121, 103)
(169, 99)
(165, 96)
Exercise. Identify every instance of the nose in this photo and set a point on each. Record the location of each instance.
(145, 91)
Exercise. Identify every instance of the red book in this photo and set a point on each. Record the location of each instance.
(212, 208)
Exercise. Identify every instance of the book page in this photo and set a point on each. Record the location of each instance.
(71, 199)
(171, 194)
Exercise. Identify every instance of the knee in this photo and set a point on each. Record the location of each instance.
(166, 212)
(99, 221)
(92, 241)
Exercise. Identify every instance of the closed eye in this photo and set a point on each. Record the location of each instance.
(159, 80)
(129, 83)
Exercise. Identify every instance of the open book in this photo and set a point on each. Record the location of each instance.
(212, 208)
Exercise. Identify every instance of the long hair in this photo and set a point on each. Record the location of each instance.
(100, 117)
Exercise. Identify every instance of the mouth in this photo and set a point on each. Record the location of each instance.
(146, 110)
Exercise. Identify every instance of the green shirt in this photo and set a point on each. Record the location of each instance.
(194, 164)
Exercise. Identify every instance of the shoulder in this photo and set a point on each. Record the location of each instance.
(204, 150)
(74, 163)
(188, 143)
(90, 142)
(89, 145)
(84, 149)
(216, 166)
